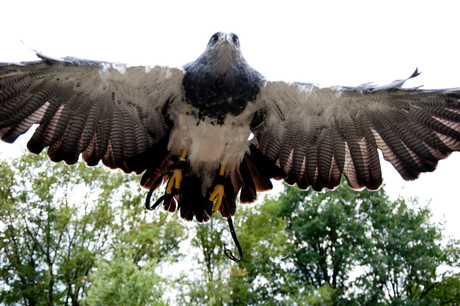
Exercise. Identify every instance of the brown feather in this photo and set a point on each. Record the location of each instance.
(84, 107)
(413, 129)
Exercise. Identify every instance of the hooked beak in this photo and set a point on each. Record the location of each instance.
(224, 39)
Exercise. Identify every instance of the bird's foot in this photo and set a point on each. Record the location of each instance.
(176, 176)
(174, 181)
(217, 195)
(218, 191)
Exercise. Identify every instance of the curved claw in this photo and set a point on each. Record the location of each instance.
(217, 193)
(176, 177)
(174, 180)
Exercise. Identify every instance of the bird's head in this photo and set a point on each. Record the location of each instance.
(223, 52)
(221, 41)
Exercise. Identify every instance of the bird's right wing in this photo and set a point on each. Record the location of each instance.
(317, 134)
(95, 108)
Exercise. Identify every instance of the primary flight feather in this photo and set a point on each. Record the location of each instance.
(189, 127)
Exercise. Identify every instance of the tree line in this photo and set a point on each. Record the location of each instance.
(81, 236)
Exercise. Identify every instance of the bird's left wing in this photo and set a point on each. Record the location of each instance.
(317, 134)
(104, 111)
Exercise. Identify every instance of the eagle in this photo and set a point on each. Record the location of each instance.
(216, 128)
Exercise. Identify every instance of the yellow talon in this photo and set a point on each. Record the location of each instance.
(176, 178)
(219, 193)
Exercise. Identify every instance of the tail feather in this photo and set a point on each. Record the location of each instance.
(228, 199)
(245, 180)
(261, 180)
(155, 162)
(262, 170)
(254, 175)
(151, 175)
(150, 159)
(191, 202)
(170, 204)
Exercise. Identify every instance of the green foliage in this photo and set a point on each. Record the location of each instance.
(120, 281)
(57, 220)
(305, 247)
(261, 278)
(397, 247)
(265, 243)
(404, 257)
(329, 230)
(81, 236)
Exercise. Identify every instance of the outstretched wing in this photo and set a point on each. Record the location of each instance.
(317, 134)
(95, 108)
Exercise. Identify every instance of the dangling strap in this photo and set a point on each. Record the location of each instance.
(149, 195)
(228, 252)
(179, 164)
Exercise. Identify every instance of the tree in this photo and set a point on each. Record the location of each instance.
(58, 220)
(329, 234)
(404, 258)
(45, 246)
(207, 283)
(121, 281)
(397, 247)
(263, 276)
(81, 236)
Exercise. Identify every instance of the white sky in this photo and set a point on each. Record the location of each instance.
(326, 42)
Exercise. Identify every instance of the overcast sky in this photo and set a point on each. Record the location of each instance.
(330, 43)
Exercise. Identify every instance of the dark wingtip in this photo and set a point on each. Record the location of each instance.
(416, 73)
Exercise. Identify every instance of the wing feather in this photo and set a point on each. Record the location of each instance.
(287, 150)
(318, 134)
(117, 140)
(87, 107)
(326, 163)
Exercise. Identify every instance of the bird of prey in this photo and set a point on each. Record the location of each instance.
(189, 127)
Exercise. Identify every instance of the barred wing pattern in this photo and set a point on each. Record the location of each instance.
(317, 134)
(94, 108)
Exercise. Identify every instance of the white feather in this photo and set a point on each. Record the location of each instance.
(208, 142)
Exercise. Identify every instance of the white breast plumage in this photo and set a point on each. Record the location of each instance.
(208, 143)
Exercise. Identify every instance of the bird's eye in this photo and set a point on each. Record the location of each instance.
(235, 39)
(214, 38)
